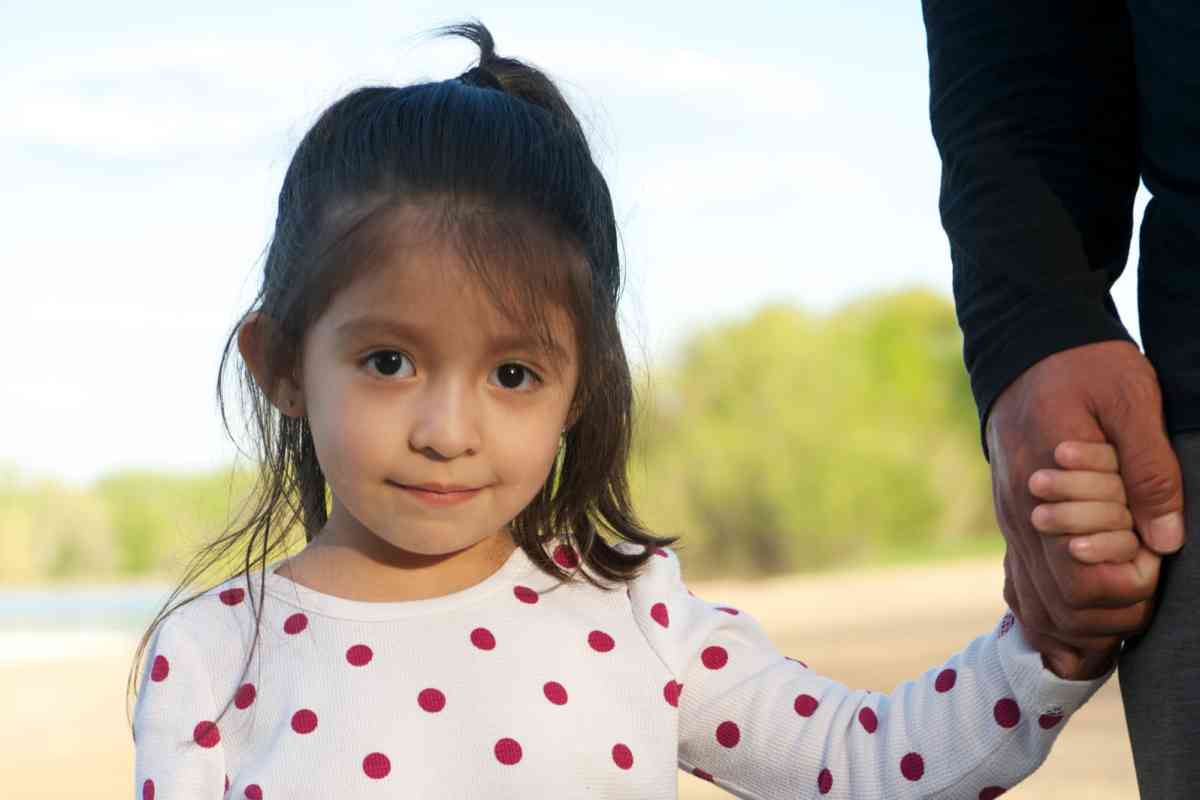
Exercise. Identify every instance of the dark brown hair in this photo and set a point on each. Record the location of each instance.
(502, 163)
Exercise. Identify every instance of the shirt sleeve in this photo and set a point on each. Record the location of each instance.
(763, 725)
(1033, 109)
(178, 749)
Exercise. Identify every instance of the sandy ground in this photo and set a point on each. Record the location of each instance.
(64, 732)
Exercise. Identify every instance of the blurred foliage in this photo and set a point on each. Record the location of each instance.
(790, 441)
(780, 443)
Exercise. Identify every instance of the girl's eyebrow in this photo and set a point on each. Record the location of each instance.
(364, 327)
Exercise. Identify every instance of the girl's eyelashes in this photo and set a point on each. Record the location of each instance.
(388, 364)
(387, 361)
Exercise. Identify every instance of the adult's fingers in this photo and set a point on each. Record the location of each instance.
(1129, 410)
(1064, 656)
(1105, 588)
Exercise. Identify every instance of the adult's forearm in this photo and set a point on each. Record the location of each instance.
(1032, 108)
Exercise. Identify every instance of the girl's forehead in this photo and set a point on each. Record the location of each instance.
(466, 267)
(431, 283)
(432, 296)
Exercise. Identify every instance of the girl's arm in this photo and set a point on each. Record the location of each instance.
(178, 747)
(762, 725)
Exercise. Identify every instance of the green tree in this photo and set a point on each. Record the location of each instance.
(790, 441)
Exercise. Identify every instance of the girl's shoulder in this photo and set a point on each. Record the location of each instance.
(221, 615)
(661, 571)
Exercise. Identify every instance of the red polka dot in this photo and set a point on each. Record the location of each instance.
(824, 781)
(148, 789)
(555, 693)
(805, 705)
(231, 597)
(160, 669)
(733, 612)
(245, 695)
(359, 655)
(565, 557)
(728, 734)
(1048, 721)
(991, 793)
(945, 680)
(376, 765)
(658, 613)
(671, 691)
(912, 766)
(295, 623)
(206, 734)
(660, 552)
(1006, 712)
(702, 775)
(600, 641)
(253, 792)
(714, 657)
(431, 700)
(525, 594)
(304, 721)
(622, 756)
(483, 639)
(508, 751)
(867, 718)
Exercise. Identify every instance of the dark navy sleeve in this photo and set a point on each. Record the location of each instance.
(1034, 113)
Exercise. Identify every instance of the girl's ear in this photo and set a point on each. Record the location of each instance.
(285, 395)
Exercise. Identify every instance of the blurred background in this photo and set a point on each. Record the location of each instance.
(803, 406)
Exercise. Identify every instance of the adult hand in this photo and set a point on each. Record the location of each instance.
(1076, 613)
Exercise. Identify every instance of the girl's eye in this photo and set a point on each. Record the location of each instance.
(387, 362)
(510, 376)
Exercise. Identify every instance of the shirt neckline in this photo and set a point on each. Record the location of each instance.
(517, 565)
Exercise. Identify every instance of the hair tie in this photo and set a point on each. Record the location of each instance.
(478, 76)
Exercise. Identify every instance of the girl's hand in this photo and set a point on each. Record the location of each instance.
(1086, 500)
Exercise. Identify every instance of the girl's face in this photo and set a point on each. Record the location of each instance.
(410, 377)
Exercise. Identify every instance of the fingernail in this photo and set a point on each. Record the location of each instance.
(1166, 532)
(1080, 548)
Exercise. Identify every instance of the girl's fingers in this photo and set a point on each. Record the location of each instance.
(1114, 547)
(1081, 517)
(1062, 484)
(1086, 455)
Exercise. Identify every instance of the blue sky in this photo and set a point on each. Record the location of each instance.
(779, 153)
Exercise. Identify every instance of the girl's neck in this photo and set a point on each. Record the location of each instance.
(348, 572)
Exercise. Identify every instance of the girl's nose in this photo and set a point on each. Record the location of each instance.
(446, 422)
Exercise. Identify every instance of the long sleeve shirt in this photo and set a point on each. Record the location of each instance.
(518, 687)
(1045, 114)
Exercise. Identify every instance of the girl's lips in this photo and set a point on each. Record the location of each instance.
(439, 498)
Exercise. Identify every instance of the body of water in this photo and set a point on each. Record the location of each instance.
(60, 623)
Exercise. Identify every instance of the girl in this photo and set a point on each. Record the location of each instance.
(443, 399)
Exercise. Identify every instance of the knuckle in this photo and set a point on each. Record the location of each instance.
(1151, 486)
(1136, 389)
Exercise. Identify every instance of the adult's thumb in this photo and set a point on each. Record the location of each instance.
(1150, 472)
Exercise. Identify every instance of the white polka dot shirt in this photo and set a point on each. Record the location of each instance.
(519, 688)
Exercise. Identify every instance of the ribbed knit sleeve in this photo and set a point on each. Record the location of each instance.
(762, 725)
(179, 753)
(1033, 110)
